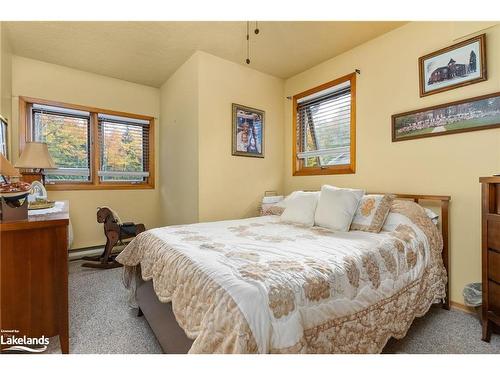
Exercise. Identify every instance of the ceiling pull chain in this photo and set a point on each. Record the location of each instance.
(256, 31)
(248, 43)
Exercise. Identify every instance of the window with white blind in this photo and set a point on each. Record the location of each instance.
(92, 148)
(324, 136)
(67, 134)
(124, 145)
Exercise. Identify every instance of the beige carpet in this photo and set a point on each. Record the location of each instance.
(102, 322)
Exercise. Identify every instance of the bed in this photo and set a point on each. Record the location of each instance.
(259, 285)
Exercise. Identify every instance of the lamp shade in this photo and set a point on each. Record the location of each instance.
(35, 155)
(6, 169)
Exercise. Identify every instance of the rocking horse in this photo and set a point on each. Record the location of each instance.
(115, 231)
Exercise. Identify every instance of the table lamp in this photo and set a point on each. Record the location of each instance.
(7, 171)
(35, 156)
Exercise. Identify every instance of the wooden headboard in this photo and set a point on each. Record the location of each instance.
(444, 203)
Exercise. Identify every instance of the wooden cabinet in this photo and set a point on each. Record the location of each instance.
(490, 254)
(34, 276)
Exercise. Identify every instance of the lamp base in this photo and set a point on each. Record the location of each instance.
(29, 177)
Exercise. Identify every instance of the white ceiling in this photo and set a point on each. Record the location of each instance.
(149, 52)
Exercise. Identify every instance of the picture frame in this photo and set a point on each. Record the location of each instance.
(458, 65)
(477, 113)
(248, 128)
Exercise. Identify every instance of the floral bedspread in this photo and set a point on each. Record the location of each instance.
(261, 285)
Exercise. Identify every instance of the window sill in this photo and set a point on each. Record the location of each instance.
(341, 169)
(88, 186)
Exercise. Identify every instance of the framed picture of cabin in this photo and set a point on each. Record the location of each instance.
(478, 113)
(248, 131)
(458, 65)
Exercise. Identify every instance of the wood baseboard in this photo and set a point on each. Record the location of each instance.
(461, 307)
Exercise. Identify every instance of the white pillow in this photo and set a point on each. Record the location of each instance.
(336, 207)
(300, 208)
(394, 220)
(290, 196)
(287, 199)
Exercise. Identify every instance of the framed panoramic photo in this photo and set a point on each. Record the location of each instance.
(458, 65)
(481, 112)
(248, 131)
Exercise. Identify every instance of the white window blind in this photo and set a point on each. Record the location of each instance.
(324, 127)
(3, 137)
(67, 134)
(124, 145)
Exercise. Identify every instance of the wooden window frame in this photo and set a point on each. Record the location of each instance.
(298, 164)
(95, 155)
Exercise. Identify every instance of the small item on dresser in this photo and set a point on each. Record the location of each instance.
(13, 189)
(13, 193)
(40, 204)
(115, 231)
(14, 203)
(14, 208)
(38, 192)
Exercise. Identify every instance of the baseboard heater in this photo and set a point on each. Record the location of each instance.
(77, 254)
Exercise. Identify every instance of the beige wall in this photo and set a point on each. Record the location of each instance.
(1, 62)
(5, 78)
(201, 180)
(448, 165)
(48, 81)
(233, 186)
(179, 145)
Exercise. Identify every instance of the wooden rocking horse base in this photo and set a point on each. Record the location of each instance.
(100, 263)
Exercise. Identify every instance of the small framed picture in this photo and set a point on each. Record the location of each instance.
(458, 65)
(248, 131)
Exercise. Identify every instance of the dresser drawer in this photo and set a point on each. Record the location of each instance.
(494, 234)
(494, 296)
(494, 266)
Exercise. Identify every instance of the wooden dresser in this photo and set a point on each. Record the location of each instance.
(34, 276)
(490, 254)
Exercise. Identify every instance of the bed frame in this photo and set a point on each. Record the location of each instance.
(172, 337)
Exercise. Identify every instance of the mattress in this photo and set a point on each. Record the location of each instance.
(260, 285)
